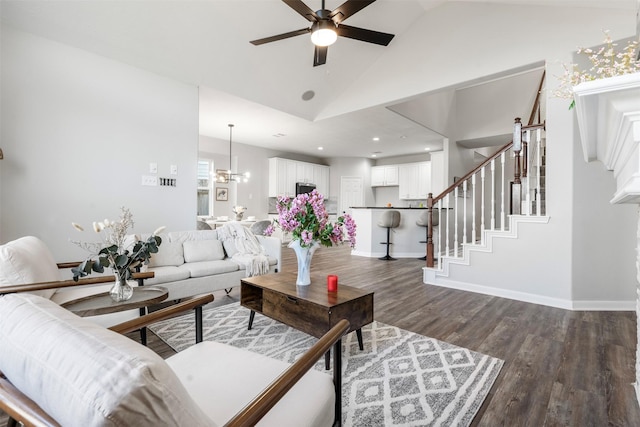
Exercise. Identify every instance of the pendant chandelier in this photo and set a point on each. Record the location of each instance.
(228, 175)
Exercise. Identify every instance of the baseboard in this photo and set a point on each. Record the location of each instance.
(392, 254)
(533, 298)
(604, 305)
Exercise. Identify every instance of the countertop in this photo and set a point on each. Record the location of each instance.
(385, 207)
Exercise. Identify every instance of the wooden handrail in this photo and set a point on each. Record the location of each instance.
(258, 408)
(162, 314)
(536, 102)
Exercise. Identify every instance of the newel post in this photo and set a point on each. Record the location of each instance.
(516, 186)
(430, 262)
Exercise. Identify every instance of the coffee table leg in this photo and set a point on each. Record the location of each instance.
(143, 330)
(198, 324)
(359, 335)
(337, 380)
(251, 316)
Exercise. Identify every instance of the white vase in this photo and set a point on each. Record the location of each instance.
(304, 255)
(121, 290)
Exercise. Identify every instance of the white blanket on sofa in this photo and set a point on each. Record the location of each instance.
(250, 251)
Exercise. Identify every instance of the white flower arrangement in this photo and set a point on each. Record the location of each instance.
(605, 62)
(116, 251)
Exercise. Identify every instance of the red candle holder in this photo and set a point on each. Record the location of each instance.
(332, 283)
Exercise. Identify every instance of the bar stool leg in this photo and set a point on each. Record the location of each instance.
(387, 257)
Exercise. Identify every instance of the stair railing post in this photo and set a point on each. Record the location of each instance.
(516, 187)
(430, 262)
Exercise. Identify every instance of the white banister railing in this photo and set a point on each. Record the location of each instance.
(482, 199)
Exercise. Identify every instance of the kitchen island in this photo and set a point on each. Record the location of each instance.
(405, 238)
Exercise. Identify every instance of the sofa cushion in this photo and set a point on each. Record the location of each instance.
(168, 274)
(27, 260)
(208, 268)
(169, 254)
(309, 403)
(243, 263)
(203, 250)
(84, 375)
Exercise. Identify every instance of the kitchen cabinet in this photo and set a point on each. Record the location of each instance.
(414, 180)
(384, 176)
(321, 179)
(282, 177)
(285, 173)
(304, 172)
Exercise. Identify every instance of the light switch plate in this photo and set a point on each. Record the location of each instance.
(153, 168)
(149, 180)
(174, 170)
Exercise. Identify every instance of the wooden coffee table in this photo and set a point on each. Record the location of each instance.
(102, 303)
(310, 309)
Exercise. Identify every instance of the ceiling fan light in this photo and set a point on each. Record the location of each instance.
(324, 34)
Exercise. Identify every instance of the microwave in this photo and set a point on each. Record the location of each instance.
(302, 188)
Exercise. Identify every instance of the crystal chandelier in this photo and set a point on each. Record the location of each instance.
(228, 175)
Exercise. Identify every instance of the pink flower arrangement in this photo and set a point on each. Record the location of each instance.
(307, 219)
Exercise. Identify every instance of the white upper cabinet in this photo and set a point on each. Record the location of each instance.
(414, 180)
(321, 179)
(384, 176)
(285, 173)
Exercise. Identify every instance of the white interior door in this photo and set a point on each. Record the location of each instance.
(351, 193)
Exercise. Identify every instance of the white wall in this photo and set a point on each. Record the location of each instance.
(78, 133)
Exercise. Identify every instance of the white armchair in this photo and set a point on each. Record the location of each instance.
(27, 265)
(59, 369)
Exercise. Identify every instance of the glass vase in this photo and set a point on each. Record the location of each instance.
(121, 290)
(304, 255)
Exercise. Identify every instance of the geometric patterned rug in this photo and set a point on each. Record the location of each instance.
(399, 379)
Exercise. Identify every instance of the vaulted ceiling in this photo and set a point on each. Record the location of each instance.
(265, 90)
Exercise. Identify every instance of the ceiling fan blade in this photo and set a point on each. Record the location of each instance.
(320, 55)
(347, 9)
(364, 35)
(280, 37)
(302, 9)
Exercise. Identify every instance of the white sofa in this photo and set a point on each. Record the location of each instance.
(194, 262)
(188, 263)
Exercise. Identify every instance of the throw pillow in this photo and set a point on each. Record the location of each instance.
(203, 250)
(169, 254)
(27, 260)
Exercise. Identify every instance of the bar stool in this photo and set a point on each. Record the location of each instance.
(423, 221)
(389, 220)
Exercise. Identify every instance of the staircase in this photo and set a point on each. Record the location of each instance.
(489, 203)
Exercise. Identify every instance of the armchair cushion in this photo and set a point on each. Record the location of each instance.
(82, 374)
(27, 260)
(310, 403)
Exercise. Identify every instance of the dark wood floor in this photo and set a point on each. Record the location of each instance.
(562, 368)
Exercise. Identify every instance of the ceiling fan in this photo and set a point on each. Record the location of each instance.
(327, 26)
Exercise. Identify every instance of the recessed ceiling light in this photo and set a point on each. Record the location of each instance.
(308, 95)
(320, 148)
(374, 155)
(427, 149)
